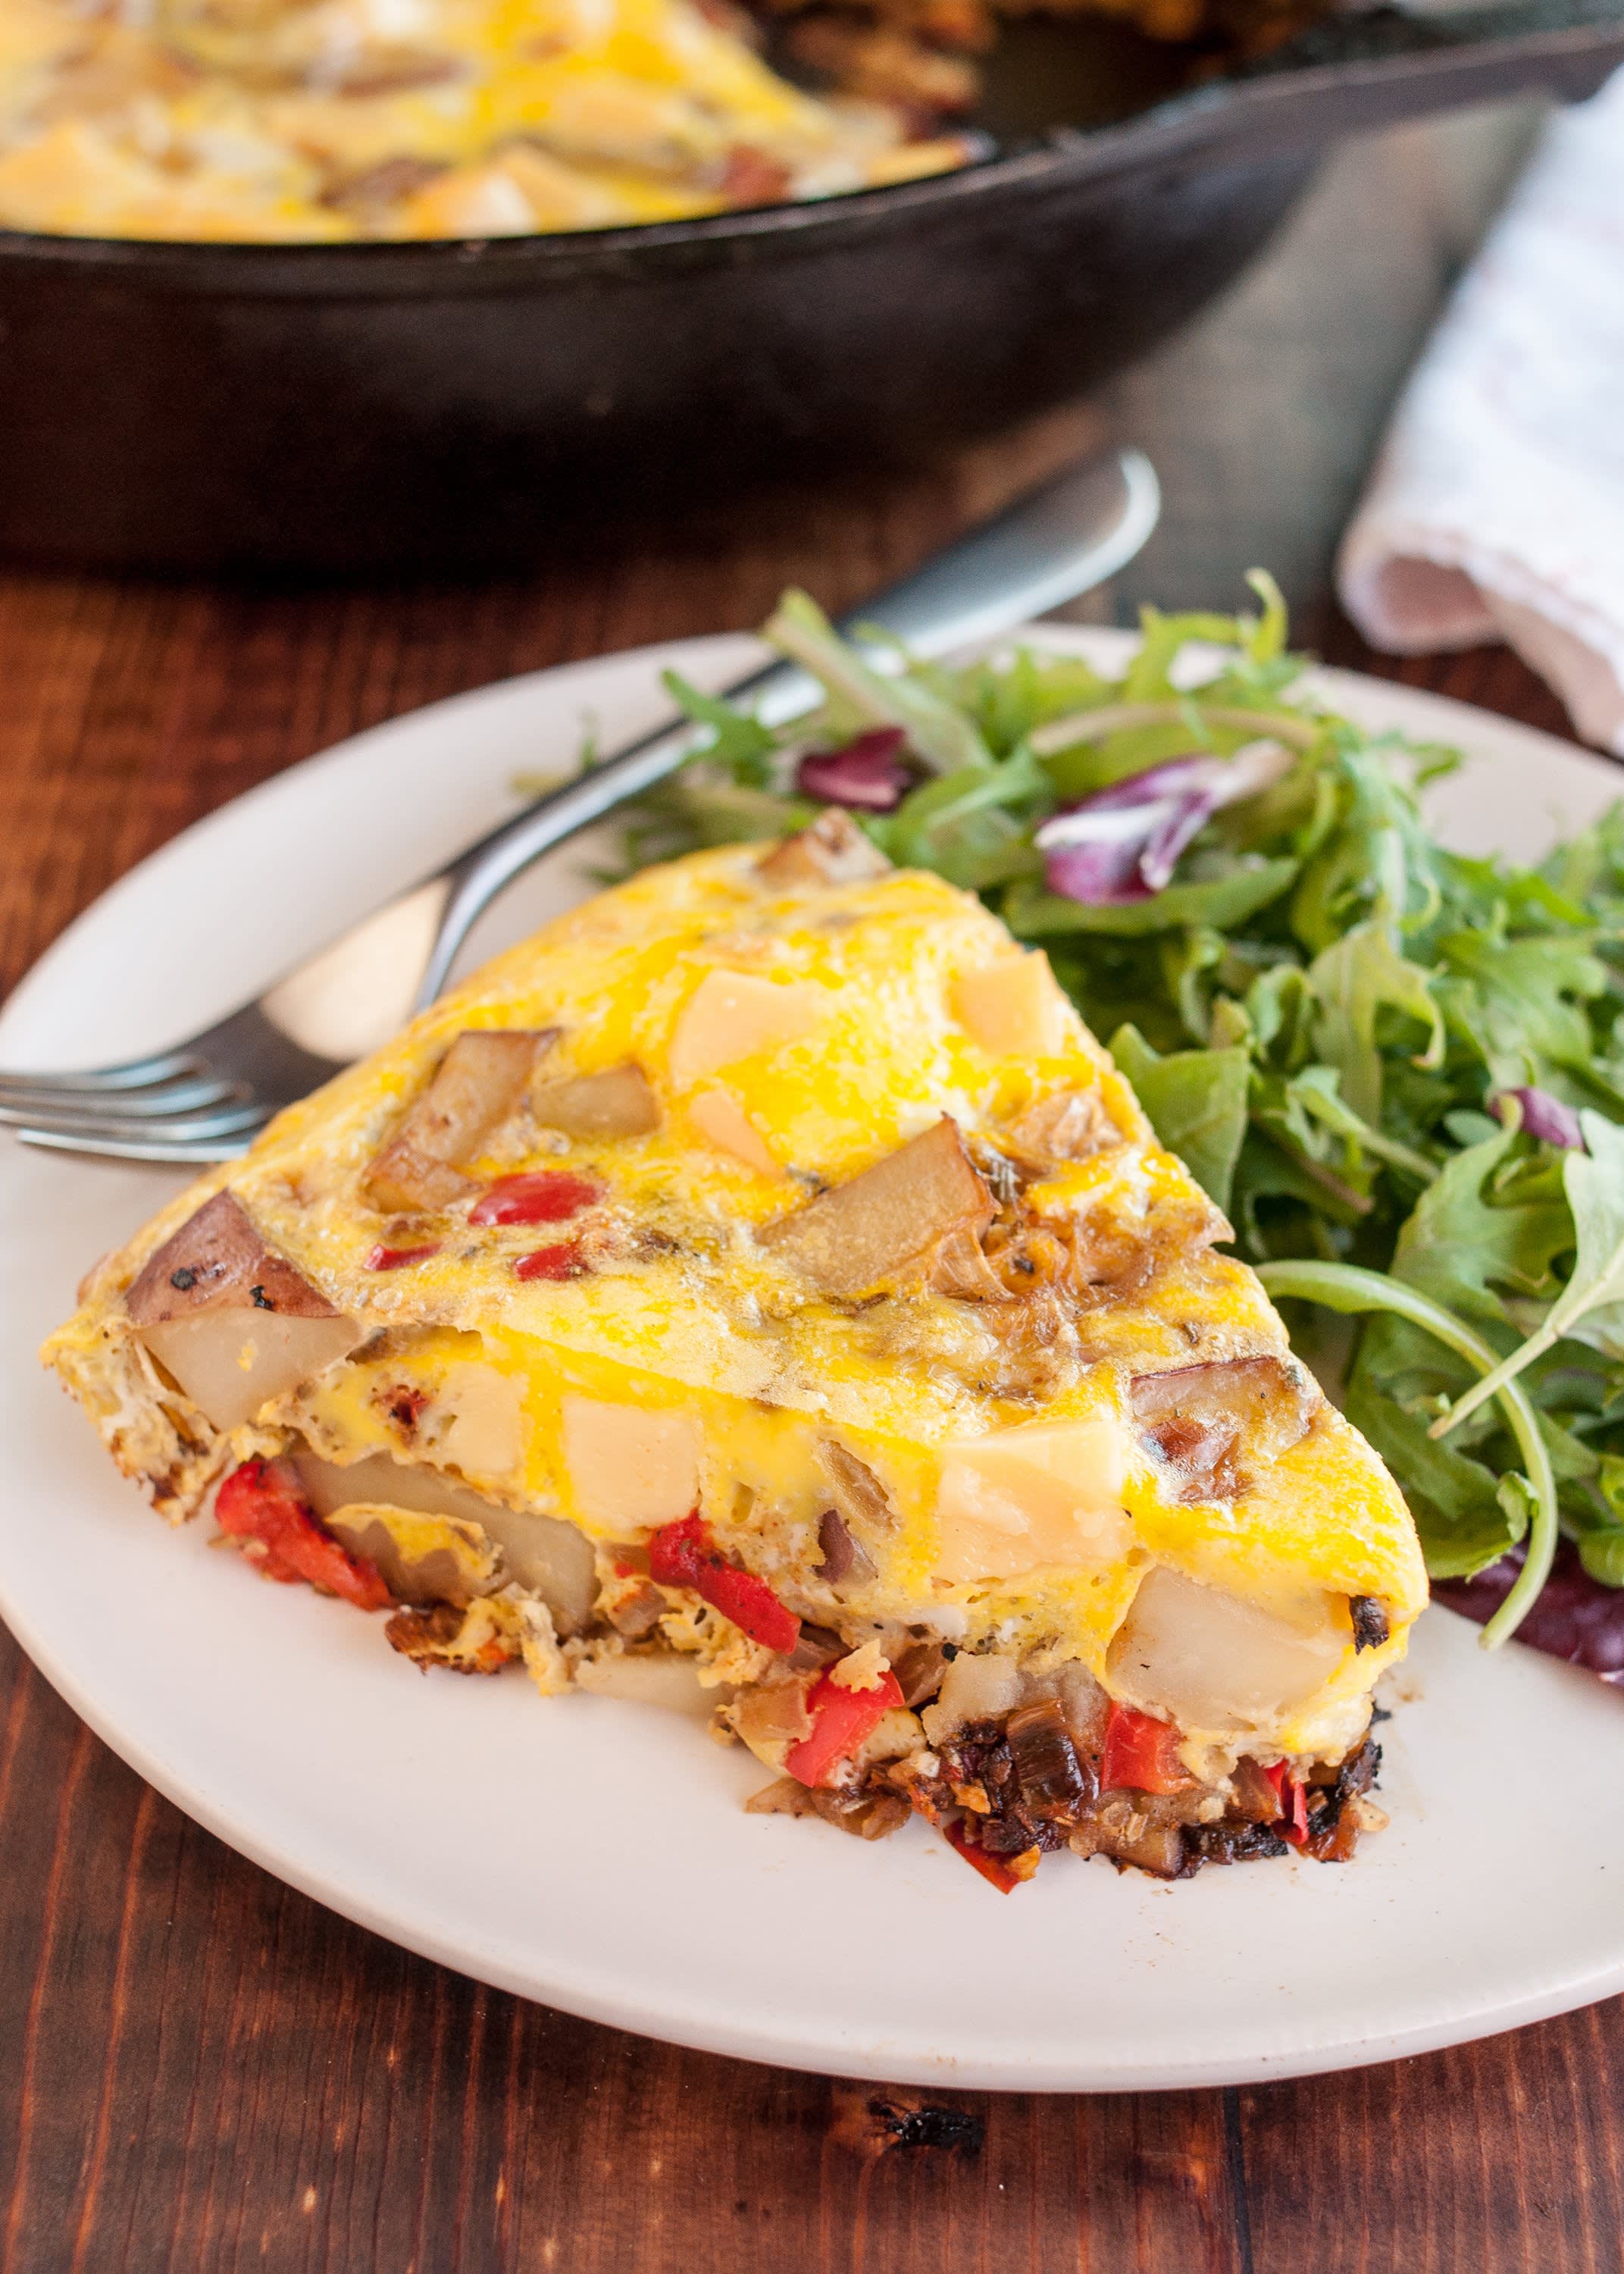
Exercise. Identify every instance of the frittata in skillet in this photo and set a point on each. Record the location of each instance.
(760, 1294)
(310, 121)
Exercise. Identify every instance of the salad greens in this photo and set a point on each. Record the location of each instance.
(1399, 1071)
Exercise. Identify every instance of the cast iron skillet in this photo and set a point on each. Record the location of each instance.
(370, 407)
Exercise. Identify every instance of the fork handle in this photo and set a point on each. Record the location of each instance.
(1055, 543)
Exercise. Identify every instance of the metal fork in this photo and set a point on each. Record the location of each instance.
(205, 1099)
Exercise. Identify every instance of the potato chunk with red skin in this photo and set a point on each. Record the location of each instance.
(890, 1222)
(476, 1086)
(232, 1321)
(215, 1261)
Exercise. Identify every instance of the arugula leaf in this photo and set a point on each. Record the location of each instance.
(1520, 1001)
(1590, 1307)
(964, 825)
(1477, 1233)
(1354, 981)
(1196, 1100)
(1600, 1538)
(1307, 1112)
(940, 734)
(738, 741)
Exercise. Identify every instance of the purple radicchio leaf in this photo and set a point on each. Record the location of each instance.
(1124, 842)
(1575, 1617)
(868, 774)
(1546, 1117)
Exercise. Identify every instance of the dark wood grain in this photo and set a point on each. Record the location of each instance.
(200, 2070)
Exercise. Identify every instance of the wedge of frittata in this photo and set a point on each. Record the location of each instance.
(759, 1293)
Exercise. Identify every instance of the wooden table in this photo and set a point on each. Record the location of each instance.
(202, 2072)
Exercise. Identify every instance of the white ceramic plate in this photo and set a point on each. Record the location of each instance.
(595, 1855)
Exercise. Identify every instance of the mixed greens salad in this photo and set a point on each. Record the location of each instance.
(1399, 1071)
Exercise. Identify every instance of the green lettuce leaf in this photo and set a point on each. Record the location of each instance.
(1196, 1100)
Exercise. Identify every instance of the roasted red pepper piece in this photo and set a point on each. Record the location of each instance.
(261, 1503)
(540, 1196)
(685, 1555)
(1141, 1754)
(841, 1718)
(1004, 1872)
(1292, 1799)
(391, 1259)
(563, 1262)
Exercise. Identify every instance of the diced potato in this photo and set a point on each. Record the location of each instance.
(1013, 1008)
(962, 1270)
(832, 851)
(720, 1118)
(734, 1014)
(978, 1686)
(235, 1324)
(633, 1467)
(1045, 1493)
(660, 1679)
(618, 1103)
(1207, 1660)
(233, 1363)
(887, 1222)
(893, 1735)
(476, 1086)
(540, 1553)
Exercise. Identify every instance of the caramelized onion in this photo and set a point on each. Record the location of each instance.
(861, 1494)
(772, 1714)
(1052, 1782)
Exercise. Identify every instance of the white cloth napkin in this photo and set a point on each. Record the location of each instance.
(1496, 508)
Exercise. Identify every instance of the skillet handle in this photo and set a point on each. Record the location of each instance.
(1361, 74)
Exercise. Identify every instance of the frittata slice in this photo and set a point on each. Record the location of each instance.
(760, 1294)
